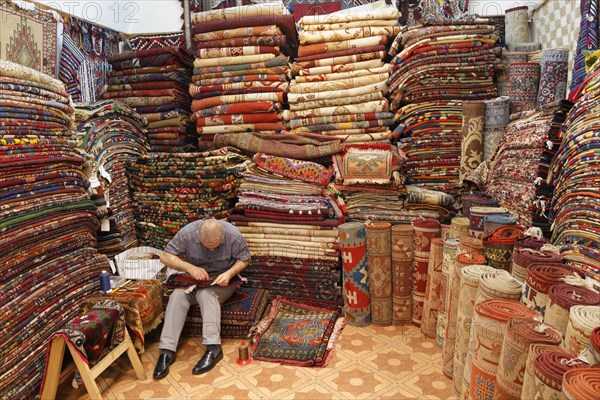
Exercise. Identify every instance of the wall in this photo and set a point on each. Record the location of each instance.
(140, 16)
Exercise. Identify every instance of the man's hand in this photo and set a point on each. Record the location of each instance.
(198, 273)
(223, 279)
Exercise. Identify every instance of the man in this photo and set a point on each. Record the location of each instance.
(206, 250)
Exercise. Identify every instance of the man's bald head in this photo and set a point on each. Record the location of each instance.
(211, 233)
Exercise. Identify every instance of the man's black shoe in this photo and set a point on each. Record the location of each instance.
(162, 365)
(211, 357)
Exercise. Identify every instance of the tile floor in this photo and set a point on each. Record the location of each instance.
(394, 362)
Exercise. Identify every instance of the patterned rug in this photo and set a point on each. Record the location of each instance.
(28, 37)
(295, 334)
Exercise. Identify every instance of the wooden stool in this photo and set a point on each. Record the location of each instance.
(55, 359)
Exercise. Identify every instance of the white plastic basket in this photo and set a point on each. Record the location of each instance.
(138, 269)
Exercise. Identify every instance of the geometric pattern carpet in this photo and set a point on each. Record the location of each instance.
(395, 362)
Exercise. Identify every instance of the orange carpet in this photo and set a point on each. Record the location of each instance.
(394, 362)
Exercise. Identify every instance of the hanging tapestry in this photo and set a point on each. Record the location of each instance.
(28, 37)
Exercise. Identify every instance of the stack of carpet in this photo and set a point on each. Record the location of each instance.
(48, 225)
(112, 135)
(240, 70)
(437, 66)
(154, 83)
(574, 173)
(368, 179)
(513, 172)
(290, 223)
(171, 190)
(340, 78)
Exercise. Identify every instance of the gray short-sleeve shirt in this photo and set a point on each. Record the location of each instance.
(186, 243)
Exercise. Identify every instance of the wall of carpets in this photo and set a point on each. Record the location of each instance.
(383, 160)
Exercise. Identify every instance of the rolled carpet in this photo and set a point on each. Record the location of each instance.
(548, 370)
(469, 281)
(581, 383)
(425, 230)
(489, 329)
(449, 255)
(432, 289)
(520, 334)
(582, 321)
(403, 243)
(561, 297)
(357, 301)
(379, 262)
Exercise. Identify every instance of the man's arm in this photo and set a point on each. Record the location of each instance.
(239, 266)
(172, 261)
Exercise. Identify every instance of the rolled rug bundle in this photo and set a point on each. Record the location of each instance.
(489, 329)
(432, 290)
(540, 278)
(445, 233)
(498, 246)
(524, 80)
(548, 370)
(497, 117)
(561, 297)
(476, 198)
(582, 321)
(498, 284)
(535, 349)
(449, 255)
(592, 353)
(524, 257)
(507, 58)
(403, 244)
(493, 222)
(516, 26)
(581, 383)
(520, 334)
(476, 218)
(357, 301)
(379, 262)
(471, 245)
(459, 227)
(553, 76)
(425, 230)
(472, 137)
(469, 281)
(449, 346)
(530, 242)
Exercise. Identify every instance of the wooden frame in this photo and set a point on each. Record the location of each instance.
(55, 359)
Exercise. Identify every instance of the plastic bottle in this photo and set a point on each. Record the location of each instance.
(105, 281)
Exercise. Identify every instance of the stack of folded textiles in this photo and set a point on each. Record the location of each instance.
(154, 82)
(241, 69)
(112, 135)
(171, 190)
(368, 186)
(340, 77)
(437, 66)
(48, 224)
(290, 222)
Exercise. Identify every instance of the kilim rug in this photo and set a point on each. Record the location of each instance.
(379, 263)
(403, 244)
(357, 301)
(296, 334)
(28, 37)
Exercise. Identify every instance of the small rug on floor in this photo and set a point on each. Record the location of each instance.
(297, 334)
